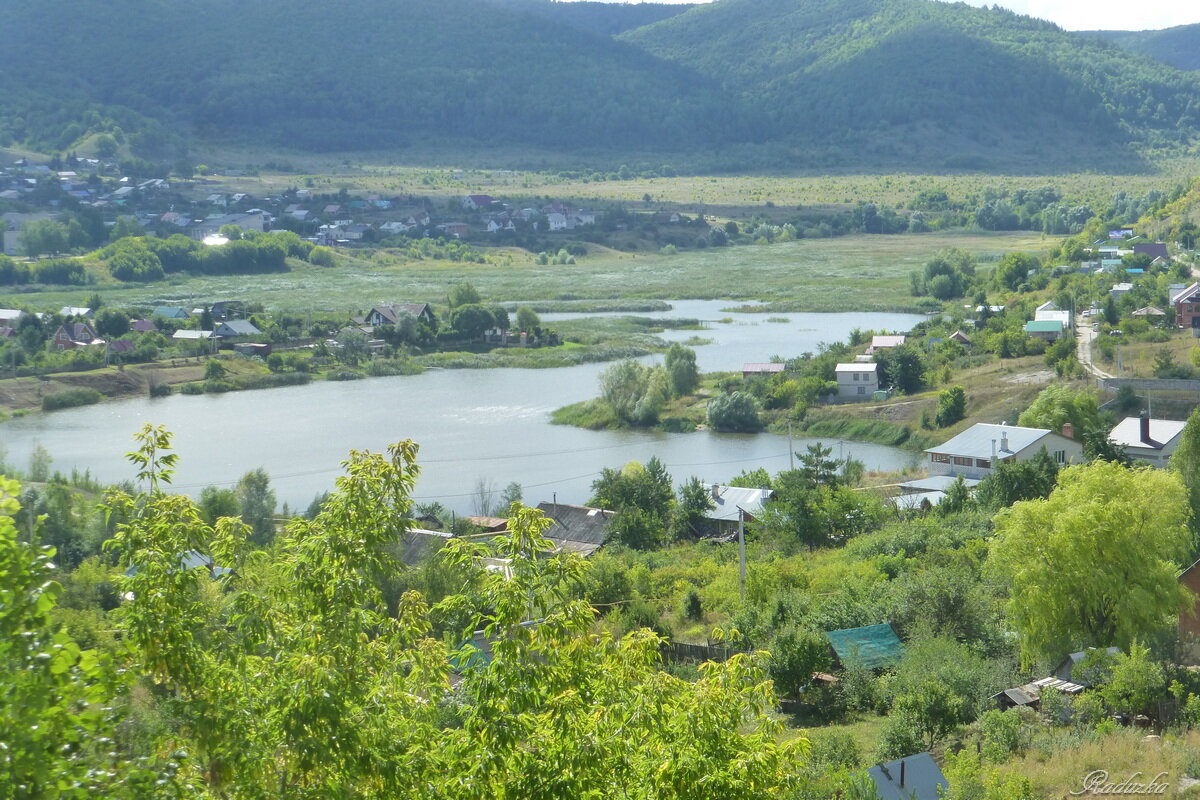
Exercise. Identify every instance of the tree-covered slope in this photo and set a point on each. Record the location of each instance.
(606, 18)
(917, 77)
(1179, 46)
(363, 73)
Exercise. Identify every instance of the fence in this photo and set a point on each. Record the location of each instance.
(680, 653)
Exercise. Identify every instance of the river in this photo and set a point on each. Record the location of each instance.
(473, 426)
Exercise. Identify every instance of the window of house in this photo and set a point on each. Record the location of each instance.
(983, 463)
(862, 390)
(962, 461)
(855, 374)
(939, 458)
(1060, 456)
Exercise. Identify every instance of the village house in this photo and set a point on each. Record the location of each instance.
(236, 327)
(1119, 290)
(557, 222)
(577, 529)
(732, 505)
(76, 311)
(1156, 250)
(170, 312)
(71, 335)
(857, 381)
(973, 452)
(1047, 329)
(476, 202)
(762, 369)
(1187, 306)
(1148, 440)
(389, 313)
(884, 342)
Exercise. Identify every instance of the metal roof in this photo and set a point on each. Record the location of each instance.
(871, 367)
(579, 529)
(1043, 326)
(1128, 433)
(873, 646)
(976, 441)
(916, 500)
(728, 499)
(915, 777)
(936, 483)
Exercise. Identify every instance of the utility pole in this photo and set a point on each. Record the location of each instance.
(742, 553)
(791, 455)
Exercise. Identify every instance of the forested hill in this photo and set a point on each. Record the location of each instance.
(917, 77)
(1178, 46)
(360, 74)
(608, 19)
(771, 83)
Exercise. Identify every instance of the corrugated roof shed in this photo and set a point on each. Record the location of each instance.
(873, 646)
(1043, 326)
(728, 499)
(581, 529)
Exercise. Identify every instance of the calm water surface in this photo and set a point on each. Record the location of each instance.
(472, 425)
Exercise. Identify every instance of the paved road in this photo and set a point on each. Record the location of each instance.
(1083, 347)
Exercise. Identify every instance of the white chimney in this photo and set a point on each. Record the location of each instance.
(1004, 442)
(716, 491)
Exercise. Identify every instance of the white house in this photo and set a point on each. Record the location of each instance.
(557, 222)
(1149, 440)
(1120, 289)
(973, 452)
(857, 381)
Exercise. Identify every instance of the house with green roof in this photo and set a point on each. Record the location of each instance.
(1048, 329)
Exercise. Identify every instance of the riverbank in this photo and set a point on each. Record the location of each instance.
(996, 390)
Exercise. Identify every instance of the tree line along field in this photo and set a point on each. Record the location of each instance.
(840, 274)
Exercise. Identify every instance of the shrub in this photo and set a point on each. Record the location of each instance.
(160, 390)
(71, 398)
(736, 411)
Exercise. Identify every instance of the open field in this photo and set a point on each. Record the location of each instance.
(729, 196)
(849, 273)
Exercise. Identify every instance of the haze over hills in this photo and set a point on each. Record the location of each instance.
(738, 82)
(1178, 46)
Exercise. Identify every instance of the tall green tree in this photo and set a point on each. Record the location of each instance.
(1059, 404)
(1185, 462)
(1108, 543)
(256, 502)
(682, 373)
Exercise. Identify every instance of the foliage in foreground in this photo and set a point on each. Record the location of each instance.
(289, 676)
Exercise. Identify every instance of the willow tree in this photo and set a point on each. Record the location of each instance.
(287, 676)
(1095, 563)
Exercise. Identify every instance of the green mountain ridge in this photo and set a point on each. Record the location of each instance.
(1178, 47)
(917, 77)
(369, 75)
(773, 83)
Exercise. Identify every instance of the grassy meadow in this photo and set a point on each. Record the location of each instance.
(847, 273)
(725, 196)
